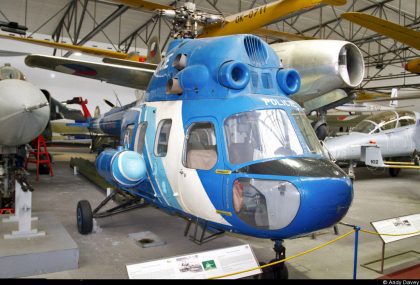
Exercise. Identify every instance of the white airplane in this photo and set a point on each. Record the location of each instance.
(395, 135)
(24, 114)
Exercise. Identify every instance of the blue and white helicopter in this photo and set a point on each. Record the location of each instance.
(218, 141)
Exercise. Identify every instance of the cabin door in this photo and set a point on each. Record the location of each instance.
(200, 187)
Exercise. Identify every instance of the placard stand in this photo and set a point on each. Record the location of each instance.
(399, 228)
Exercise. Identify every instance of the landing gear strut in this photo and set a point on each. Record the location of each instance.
(277, 271)
(85, 215)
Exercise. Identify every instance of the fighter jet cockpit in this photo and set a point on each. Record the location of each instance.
(385, 121)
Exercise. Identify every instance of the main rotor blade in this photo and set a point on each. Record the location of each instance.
(142, 5)
(399, 33)
(250, 20)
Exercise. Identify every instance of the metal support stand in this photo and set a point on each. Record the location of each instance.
(23, 214)
(279, 270)
(383, 257)
(202, 238)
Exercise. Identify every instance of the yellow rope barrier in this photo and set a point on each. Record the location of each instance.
(376, 233)
(286, 259)
(310, 250)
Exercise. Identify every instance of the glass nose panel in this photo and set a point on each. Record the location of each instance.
(267, 204)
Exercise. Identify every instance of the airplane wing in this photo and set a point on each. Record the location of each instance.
(263, 32)
(408, 97)
(341, 120)
(250, 20)
(399, 33)
(70, 47)
(144, 65)
(137, 78)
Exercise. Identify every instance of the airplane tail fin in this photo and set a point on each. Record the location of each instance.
(153, 51)
(394, 94)
(97, 113)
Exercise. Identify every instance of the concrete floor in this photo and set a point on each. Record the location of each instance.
(104, 254)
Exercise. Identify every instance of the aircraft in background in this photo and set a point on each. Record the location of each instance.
(399, 33)
(249, 162)
(24, 114)
(392, 135)
(329, 69)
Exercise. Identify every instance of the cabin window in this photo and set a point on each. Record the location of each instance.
(200, 148)
(258, 135)
(141, 133)
(254, 79)
(389, 125)
(404, 122)
(266, 81)
(308, 133)
(128, 135)
(162, 137)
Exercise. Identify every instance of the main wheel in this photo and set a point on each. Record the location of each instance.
(84, 217)
(394, 171)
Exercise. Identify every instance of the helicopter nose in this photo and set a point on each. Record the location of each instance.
(24, 112)
(324, 202)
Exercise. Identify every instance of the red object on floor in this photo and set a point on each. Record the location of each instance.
(39, 150)
(6, 211)
(412, 272)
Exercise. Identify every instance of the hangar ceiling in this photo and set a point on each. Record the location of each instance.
(123, 28)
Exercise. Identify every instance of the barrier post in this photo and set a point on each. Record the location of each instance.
(356, 245)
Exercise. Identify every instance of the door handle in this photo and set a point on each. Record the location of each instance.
(181, 171)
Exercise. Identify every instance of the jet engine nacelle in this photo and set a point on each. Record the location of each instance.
(124, 167)
(324, 65)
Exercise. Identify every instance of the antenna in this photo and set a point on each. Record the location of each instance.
(116, 96)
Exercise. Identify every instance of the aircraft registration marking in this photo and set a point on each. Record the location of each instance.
(251, 14)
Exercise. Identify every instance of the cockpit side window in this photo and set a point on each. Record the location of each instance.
(162, 137)
(259, 135)
(128, 135)
(389, 125)
(141, 133)
(200, 146)
(404, 122)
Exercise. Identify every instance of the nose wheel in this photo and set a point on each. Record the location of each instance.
(277, 271)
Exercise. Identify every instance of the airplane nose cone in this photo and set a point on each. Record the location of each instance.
(20, 120)
(324, 202)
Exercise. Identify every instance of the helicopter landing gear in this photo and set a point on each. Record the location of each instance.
(277, 271)
(85, 215)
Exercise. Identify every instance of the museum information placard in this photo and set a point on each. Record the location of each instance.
(202, 265)
(398, 226)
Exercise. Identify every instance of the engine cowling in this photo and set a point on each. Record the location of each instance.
(123, 167)
(324, 65)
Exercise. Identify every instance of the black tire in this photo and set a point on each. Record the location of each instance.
(84, 217)
(321, 132)
(394, 172)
